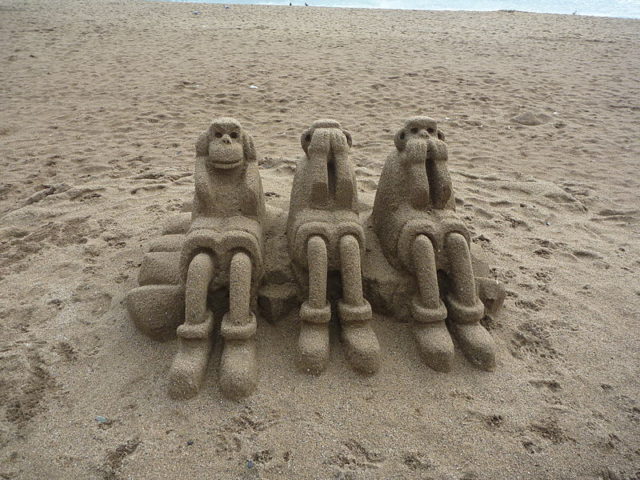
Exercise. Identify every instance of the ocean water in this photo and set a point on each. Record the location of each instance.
(602, 8)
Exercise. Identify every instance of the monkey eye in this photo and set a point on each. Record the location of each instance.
(307, 137)
(218, 135)
(431, 130)
(414, 130)
(234, 134)
(402, 135)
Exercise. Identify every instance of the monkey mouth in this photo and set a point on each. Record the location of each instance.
(225, 164)
(225, 158)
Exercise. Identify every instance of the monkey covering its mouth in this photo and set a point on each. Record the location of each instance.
(414, 219)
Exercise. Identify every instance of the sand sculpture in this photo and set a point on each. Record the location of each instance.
(415, 222)
(222, 249)
(325, 237)
(228, 256)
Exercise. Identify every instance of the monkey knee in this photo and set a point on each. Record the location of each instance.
(349, 245)
(201, 265)
(316, 249)
(456, 243)
(423, 246)
(240, 267)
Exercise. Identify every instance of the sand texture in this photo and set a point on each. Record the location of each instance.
(101, 104)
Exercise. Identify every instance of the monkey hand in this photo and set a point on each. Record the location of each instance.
(415, 151)
(437, 150)
(439, 178)
(416, 181)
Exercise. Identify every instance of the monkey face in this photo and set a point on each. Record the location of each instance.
(417, 130)
(225, 145)
(322, 125)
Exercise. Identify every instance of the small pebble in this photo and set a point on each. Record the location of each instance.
(189, 442)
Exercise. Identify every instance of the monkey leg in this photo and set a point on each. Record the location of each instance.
(428, 311)
(194, 335)
(315, 313)
(238, 371)
(362, 347)
(464, 307)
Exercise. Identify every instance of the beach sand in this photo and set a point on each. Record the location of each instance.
(100, 106)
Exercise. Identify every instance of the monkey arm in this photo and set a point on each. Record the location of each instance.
(203, 198)
(204, 215)
(346, 193)
(252, 202)
(202, 145)
(317, 153)
(439, 179)
(416, 181)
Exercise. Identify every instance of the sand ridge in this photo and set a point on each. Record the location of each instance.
(102, 103)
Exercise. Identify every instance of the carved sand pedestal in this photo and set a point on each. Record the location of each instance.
(230, 257)
(325, 237)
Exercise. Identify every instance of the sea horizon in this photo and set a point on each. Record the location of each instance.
(599, 8)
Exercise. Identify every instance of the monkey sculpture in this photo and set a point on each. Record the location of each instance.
(325, 236)
(414, 219)
(223, 248)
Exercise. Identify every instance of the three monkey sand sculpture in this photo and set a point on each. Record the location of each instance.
(208, 265)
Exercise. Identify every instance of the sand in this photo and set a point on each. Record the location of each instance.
(101, 103)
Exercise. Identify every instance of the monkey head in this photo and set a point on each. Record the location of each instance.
(226, 145)
(307, 135)
(418, 135)
(329, 173)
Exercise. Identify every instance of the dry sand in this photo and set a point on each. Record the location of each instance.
(101, 103)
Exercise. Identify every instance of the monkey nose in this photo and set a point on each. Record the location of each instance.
(424, 133)
(226, 139)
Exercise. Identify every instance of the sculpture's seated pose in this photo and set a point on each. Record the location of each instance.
(414, 219)
(223, 248)
(325, 235)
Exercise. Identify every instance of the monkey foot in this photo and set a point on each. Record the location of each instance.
(188, 368)
(362, 347)
(313, 347)
(476, 344)
(435, 345)
(238, 371)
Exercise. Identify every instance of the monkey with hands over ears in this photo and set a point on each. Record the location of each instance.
(223, 249)
(415, 221)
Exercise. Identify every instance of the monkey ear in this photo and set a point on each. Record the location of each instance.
(202, 145)
(399, 140)
(305, 139)
(440, 135)
(349, 139)
(248, 148)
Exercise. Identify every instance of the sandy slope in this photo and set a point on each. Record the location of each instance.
(100, 105)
